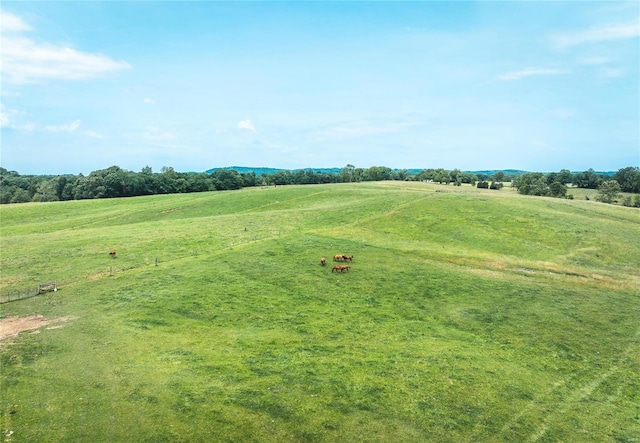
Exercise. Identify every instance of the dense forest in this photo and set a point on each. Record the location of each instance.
(117, 182)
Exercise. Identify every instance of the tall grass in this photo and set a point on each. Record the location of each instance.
(468, 315)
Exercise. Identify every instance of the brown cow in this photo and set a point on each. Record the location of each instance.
(340, 268)
(323, 261)
(338, 257)
(113, 253)
(347, 257)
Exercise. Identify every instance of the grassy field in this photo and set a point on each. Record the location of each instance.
(467, 315)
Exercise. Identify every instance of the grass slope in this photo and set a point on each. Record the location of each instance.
(468, 315)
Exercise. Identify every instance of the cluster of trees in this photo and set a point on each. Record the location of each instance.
(117, 182)
(114, 182)
(609, 187)
(539, 184)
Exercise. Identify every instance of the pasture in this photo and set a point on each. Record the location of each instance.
(466, 315)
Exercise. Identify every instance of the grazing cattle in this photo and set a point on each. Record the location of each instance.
(338, 257)
(347, 257)
(340, 268)
(112, 254)
(323, 261)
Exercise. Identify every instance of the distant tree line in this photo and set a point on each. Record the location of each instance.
(609, 187)
(115, 182)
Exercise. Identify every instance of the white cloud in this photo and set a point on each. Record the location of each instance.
(71, 127)
(527, 72)
(12, 23)
(23, 60)
(246, 124)
(617, 31)
(150, 101)
(4, 120)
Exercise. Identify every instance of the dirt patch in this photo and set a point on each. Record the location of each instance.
(10, 327)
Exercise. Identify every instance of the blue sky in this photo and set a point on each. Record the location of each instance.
(539, 86)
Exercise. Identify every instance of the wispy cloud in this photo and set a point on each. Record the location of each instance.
(12, 23)
(24, 60)
(149, 101)
(4, 120)
(528, 72)
(70, 127)
(246, 124)
(615, 31)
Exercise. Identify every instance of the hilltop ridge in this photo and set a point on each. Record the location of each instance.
(413, 171)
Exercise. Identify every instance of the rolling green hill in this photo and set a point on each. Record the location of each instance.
(467, 315)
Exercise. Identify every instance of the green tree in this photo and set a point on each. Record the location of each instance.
(282, 178)
(47, 191)
(532, 184)
(378, 173)
(629, 179)
(587, 179)
(565, 176)
(608, 191)
(347, 173)
(558, 189)
(441, 176)
(498, 177)
(20, 196)
(402, 175)
(224, 180)
(249, 179)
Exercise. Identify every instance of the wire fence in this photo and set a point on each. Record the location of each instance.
(21, 294)
(18, 295)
